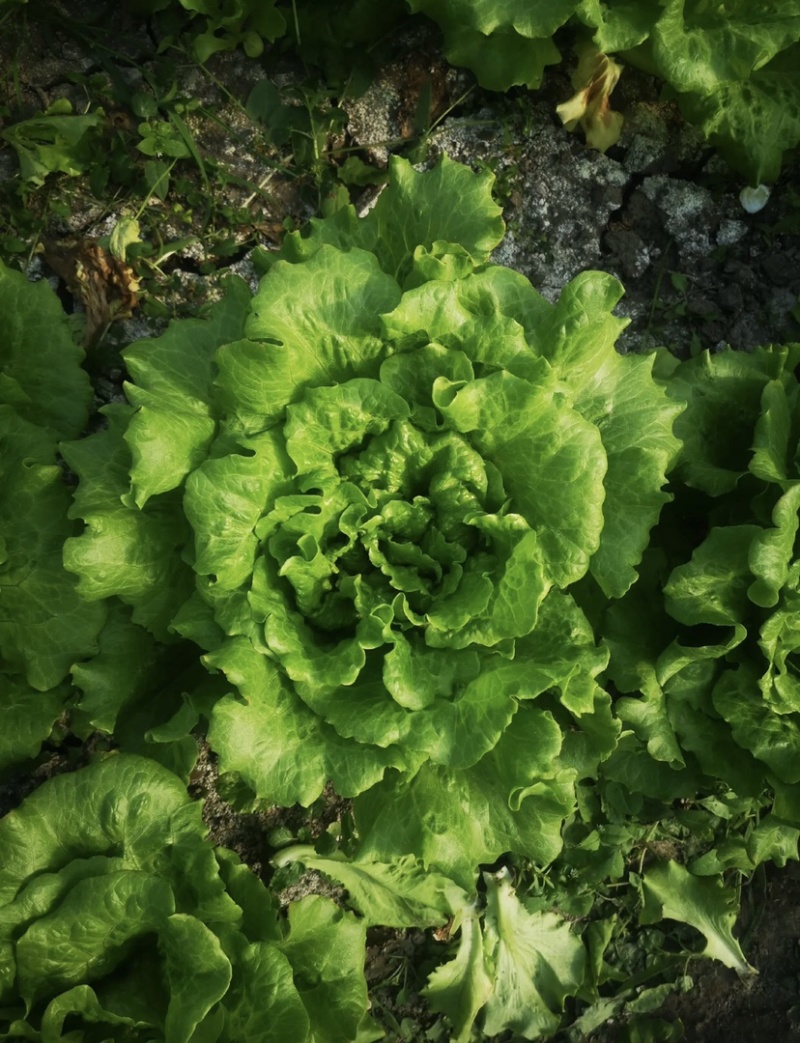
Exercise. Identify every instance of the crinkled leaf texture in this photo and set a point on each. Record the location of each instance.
(41, 376)
(711, 675)
(513, 974)
(115, 911)
(385, 470)
(735, 71)
(44, 624)
(400, 893)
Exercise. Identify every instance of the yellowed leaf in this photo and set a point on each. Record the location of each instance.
(590, 108)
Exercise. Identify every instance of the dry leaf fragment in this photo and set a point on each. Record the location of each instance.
(590, 108)
(105, 286)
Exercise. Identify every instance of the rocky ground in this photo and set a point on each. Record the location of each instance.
(659, 210)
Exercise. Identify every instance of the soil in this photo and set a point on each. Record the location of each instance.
(659, 210)
(721, 1009)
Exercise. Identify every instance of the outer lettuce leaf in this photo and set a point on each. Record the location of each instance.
(502, 60)
(772, 738)
(632, 768)
(45, 624)
(44, 395)
(135, 554)
(40, 362)
(81, 1002)
(722, 393)
(87, 934)
(648, 717)
(280, 748)
(197, 986)
(261, 974)
(486, 16)
(126, 664)
(753, 122)
(173, 424)
(26, 719)
(134, 688)
(537, 963)
(401, 893)
(772, 550)
(619, 24)
(712, 588)
(562, 655)
(708, 737)
(409, 216)
(619, 396)
(515, 798)
(325, 947)
(518, 971)
(699, 47)
(503, 43)
(239, 488)
(671, 891)
(461, 987)
(486, 316)
(323, 319)
(90, 809)
(735, 71)
(780, 643)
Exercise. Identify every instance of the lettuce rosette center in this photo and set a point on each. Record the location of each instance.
(398, 555)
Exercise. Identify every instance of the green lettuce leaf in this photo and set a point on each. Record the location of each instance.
(401, 893)
(619, 26)
(461, 987)
(320, 324)
(27, 717)
(618, 395)
(722, 393)
(325, 947)
(514, 798)
(44, 624)
(772, 738)
(516, 973)
(735, 74)
(269, 738)
(409, 216)
(172, 426)
(537, 962)
(672, 891)
(753, 122)
(45, 386)
(124, 551)
(503, 43)
(780, 643)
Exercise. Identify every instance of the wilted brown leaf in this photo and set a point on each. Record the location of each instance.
(590, 108)
(106, 287)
